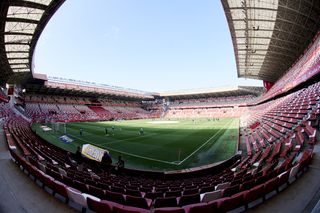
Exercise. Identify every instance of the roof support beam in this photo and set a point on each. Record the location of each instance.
(22, 20)
(277, 39)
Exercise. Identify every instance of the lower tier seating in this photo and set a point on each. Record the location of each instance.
(273, 159)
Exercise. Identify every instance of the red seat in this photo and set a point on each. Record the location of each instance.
(201, 207)
(132, 192)
(190, 191)
(115, 197)
(253, 194)
(153, 195)
(140, 202)
(173, 194)
(210, 196)
(271, 185)
(247, 185)
(102, 206)
(61, 189)
(80, 186)
(207, 189)
(129, 209)
(117, 189)
(98, 192)
(165, 202)
(261, 179)
(188, 199)
(230, 203)
(169, 210)
(228, 192)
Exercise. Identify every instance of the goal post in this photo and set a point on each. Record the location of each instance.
(59, 127)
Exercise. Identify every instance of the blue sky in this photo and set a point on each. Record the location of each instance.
(151, 45)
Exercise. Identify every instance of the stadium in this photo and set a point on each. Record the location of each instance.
(76, 146)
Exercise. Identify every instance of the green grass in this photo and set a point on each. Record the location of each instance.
(187, 143)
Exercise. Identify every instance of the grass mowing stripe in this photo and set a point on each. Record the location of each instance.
(205, 143)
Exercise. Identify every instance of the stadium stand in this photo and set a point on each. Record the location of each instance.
(45, 108)
(215, 112)
(277, 153)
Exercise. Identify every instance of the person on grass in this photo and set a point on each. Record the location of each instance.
(113, 128)
(141, 132)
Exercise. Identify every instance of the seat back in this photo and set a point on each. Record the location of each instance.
(115, 197)
(169, 210)
(230, 203)
(173, 194)
(165, 202)
(200, 207)
(153, 195)
(283, 178)
(207, 189)
(253, 194)
(231, 190)
(96, 192)
(222, 185)
(293, 172)
(133, 192)
(271, 185)
(190, 191)
(188, 199)
(138, 202)
(129, 209)
(99, 206)
(209, 196)
(76, 196)
(60, 188)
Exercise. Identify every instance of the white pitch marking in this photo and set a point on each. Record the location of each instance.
(127, 139)
(134, 155)
(163, 122)
(205, 143)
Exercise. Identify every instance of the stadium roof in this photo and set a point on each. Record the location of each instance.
(213, 92)
(61, 86)
(21, 23)
(269, 35)
(41, 84)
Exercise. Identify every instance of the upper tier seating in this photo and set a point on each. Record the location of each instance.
(44, 112)
(223, 112)
(213, 101)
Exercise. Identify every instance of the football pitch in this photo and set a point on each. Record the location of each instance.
(156, 144)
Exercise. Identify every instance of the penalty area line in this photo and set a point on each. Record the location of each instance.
(147, 158)
(133, 155)
(205, 143)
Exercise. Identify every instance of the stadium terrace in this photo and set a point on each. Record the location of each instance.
(71, 146)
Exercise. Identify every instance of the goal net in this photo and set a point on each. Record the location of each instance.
(60, 127)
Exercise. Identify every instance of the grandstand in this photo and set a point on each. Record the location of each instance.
(276, 163)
